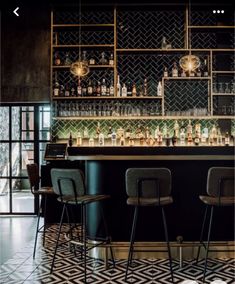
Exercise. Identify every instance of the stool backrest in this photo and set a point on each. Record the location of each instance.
(220, 181)
(148, 182)
(68, 182)
(33, 174)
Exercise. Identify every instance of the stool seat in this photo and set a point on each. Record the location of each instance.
(85, 199)
(144, 201)
(218, 201)
(43, 190)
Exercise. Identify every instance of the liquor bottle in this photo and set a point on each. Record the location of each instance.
(182, 136)
(91, 142)
(219, 138)
(67, 60)
(205, 68)
(164, 43)
(70, 140)
(174, 138)
(147, 133)
(118, 87)
(196, 139)
(122, 140)
(61, 91)
(84, 57)
(98, 130)
(107, 90)
(164, 130)
(114, 138)
(79, 139)
(57, 60)
(168, 140)
(174, 70)
(84, 89)
(134, 91)
(103, 88)
(85, 133)
(129, 90)
(98, 89)
(145, 87)
(56, 89)
(111, 89)
(182, 73)
(73, 92)
(128, 132)
(159, 89)
(89, 88)
(92, 61)
(111, 60)
(165, 72)
(214, 133)
(79, 88)
(109, 134)
(204, 136)
(124, 90)
(176, 128)
(103, 60)
(101, 139)
(189, 132)
(94, 89)
(191, 73)
(67, 91)
(156, 132)
(227, 139)
(199, 72)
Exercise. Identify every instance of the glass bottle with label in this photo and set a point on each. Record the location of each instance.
(174, 70)
(79, 139)
(124, 90)
(118, 87)
(165, 72)
(57, 60)
(67, 60)
(111, 60)
(114, 138)
(134, 91)
(111, 89)
(159, 89)
(226, 139)
(145, 87)
(129, 89)
(56, 89)
(103, 88)
(67, 91)
(101, 139)
(205, 68)
(174, 139)
(79, 88)
(70, 142)
(177, 128)
(164, 43)
(103, 60)
(89, 88)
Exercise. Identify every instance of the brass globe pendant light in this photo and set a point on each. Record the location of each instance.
(189, 63)
(80, 68)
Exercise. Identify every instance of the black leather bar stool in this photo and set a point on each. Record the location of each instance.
(220, 193)
(34, 181)
(69, 185)
(148, 187)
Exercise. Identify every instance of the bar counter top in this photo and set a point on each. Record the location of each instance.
(152, 153)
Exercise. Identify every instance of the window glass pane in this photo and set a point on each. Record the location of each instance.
(28, 108)
(4, 123)
(42, 153)
(15, 120)
(44, 135)
(27, 135)
(4, 196)
(27, 120)
(4, 160)
(15, 159)
(27, 156)
(22, 198)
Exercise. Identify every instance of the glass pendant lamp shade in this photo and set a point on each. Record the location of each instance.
(189, 63)
(79, 68)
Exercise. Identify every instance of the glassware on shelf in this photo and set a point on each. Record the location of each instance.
(227, 89)
(233, 88)
(214, 88)
(221, 89)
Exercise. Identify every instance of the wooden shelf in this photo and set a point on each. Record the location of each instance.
(82, 25)
(211, 27)
(141, 117)
(186, 78)
(223, 94)
(82, 45)
(223, 72)
(90, 66)
(107, 98)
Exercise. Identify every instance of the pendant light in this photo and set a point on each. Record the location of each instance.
(80, 67)
(189, 62)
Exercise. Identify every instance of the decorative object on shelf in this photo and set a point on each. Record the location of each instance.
(80, 68)
(189, 63)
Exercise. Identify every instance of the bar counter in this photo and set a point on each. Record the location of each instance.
(105, 169)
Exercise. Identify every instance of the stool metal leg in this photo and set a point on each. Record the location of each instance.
(45, 221)
(37, 229)
(202, 233)
(130, 254)
(58, 238)
(84, 241)
(208, 242)
(167, 241)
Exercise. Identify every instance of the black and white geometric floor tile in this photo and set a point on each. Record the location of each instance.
(23, 269)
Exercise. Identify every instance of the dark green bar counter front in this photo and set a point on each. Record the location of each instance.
(105, 169)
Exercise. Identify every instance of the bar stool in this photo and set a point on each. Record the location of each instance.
(69, 185)
(148, 187)
(220, 193)
(34, 180)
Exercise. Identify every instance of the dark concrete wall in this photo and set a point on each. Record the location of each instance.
(25, 55)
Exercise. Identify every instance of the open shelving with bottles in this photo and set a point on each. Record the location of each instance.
(138, 55)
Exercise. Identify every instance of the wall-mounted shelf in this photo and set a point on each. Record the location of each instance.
(107, 98)
(223, 94)
(90, 66)
(82, 25)
(82, 45)
(186, 78)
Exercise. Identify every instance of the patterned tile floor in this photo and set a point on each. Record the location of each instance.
(22, 268)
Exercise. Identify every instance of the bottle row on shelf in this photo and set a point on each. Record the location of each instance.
(94, 88)
(224, 88)
(103, 59)
(181, 136)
